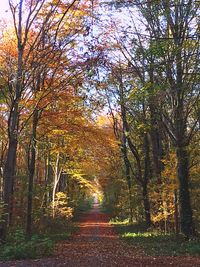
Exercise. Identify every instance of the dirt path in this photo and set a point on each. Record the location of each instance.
(96, 244)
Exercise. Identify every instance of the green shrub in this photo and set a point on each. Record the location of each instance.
(56, 226)
(20, 248)
(16, 237)
(85, 205)
(192, 248)
(59, 237)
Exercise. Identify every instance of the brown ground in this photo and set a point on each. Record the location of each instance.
(96, 244)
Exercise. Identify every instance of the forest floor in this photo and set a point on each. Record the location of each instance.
(97, 244)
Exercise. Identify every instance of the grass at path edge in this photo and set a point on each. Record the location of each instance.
(156, 243)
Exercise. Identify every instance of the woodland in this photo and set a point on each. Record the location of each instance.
(98, 100)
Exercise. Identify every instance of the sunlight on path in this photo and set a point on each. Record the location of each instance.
(97, 245)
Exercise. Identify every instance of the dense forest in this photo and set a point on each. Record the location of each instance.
(100, 99)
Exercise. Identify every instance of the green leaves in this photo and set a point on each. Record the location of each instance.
(18, 247)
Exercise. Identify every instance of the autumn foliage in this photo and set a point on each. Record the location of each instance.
(89, 109)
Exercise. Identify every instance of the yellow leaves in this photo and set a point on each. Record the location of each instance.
(102, 120)
(163, 214)
(83, 182)
(163, 196)
(8, 52)
(60, 206)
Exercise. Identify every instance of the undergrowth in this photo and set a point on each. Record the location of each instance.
(19, 247)
(156, 243)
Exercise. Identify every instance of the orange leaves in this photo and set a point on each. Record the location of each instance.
(169, 173)
(8, 53)
(102, 151)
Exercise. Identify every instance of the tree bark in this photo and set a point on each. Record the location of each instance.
(128, 175)
(146, 204)
(9, 174)
(176, 215)
(186, 220)
(47, 181)
(145, 181)
(57, 175)
(156, 141)
(155, 131)
(31, 169)
(9, 169)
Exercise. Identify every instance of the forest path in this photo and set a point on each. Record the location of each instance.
(97, 245)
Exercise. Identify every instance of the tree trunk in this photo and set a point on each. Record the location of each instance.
(3, 150)
(186, 220)
(54, 195)
(155, 131)
(146, 204)
(156, 149)
(47, 181)
(176, 215)
(9, 169)
(145, 181)
(125, 151)
(31, 169)
(57, 175)
(128, 179)
(9, 173)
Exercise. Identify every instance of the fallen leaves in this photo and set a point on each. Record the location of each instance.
(97, 244)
